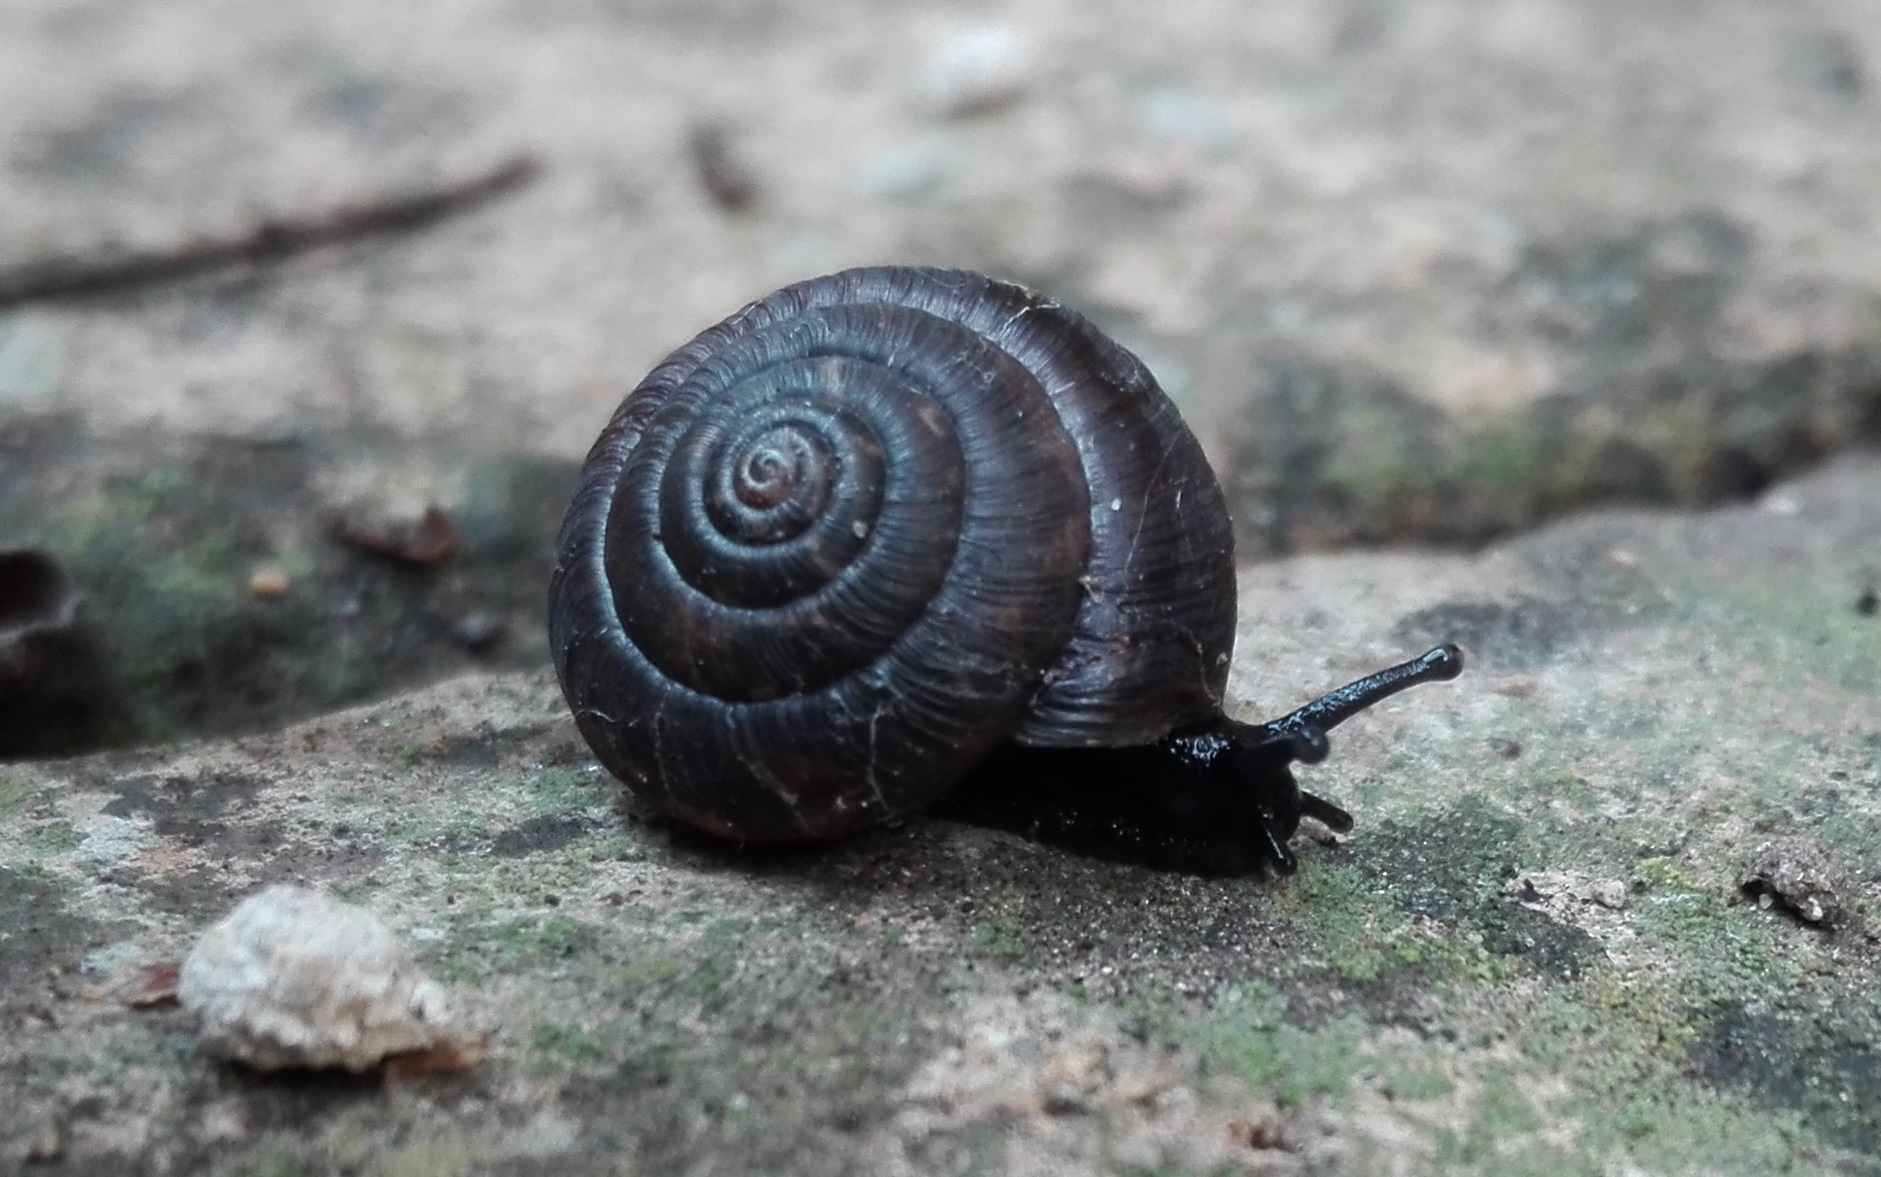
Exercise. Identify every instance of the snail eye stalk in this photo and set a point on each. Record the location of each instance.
(1335, 707)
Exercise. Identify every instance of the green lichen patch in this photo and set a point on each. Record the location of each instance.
(1347, 931)
(1247, 1032)
(1514, 1079)
(1344, 455)
(1800, 633)
(481, 947)
(38, 932)
(176, 636)
(1626, 1093)
(715, 1027)
(560, 790)
(1530, 955)
(990, 939)
(1812, 1054)
(17, 786)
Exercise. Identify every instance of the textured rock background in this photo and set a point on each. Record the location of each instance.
(1476, 207)
(1434, 271)
(1531, 956)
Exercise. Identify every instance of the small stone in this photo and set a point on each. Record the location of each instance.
(293, 978)
(268, 581)
(1801, 876)
(976, 70)
(1259, 1132)
(480, 630)
(1609, 893)
(1072, 1072)
(222, 1121)
(1782, 503)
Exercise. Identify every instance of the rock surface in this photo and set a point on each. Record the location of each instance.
(1532, 954)
(1439, 271)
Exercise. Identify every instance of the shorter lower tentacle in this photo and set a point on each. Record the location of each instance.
(1325, 813)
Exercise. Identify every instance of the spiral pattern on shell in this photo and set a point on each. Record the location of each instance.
(832, 552)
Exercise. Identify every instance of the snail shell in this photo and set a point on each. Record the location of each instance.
(835, 550)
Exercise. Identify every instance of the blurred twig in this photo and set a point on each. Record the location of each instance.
(722, 172)
(274, 240)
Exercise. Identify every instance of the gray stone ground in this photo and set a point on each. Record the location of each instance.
(1531, 956)
(1440, 271)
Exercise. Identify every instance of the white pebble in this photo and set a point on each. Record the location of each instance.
(292, 978)
(976, 69)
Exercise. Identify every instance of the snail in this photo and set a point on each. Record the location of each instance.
(892, 528)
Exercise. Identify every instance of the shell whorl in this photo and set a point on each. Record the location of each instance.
(838, 547)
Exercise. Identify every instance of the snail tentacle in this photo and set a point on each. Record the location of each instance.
(1215, 797)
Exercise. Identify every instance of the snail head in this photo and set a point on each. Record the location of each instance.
(1254, 761)
(1216, 797)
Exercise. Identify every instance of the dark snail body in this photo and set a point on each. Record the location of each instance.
(846, 545)
(1215, 798)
